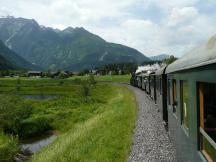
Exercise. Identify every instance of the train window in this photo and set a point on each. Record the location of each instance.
(207, 100)
(184, 103)
(174, 93)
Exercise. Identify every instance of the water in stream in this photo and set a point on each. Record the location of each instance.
(34, 146)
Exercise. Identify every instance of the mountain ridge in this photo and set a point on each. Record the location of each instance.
(6, 65)
(159, 57)
(9, 60)
(71, 48)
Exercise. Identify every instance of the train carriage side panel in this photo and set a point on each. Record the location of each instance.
(191, 90)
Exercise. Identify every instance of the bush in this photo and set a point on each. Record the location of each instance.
(35, 126)
(85, 89)
(61, 82)
(8, 148)
(77, 80)
(62, 75)
(12, 111)
(92, 80)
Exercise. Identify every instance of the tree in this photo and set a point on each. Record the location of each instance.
(170, 60)
(92, 79)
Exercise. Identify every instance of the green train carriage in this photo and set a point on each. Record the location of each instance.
(144, 81)
(152, 78)
(161, 93)
(191, 102)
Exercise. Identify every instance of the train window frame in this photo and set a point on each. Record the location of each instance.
(206, 143)
(183, 106)
(174, 95)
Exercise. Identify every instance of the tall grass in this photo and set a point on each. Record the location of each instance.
(13, 110)
(8, 148)
(97, 128)
(105, 136)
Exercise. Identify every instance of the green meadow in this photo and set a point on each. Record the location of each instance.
(94, 121)
(108, 78)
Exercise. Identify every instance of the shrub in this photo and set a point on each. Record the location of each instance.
(12, 111)
(92, 79)
(61, 82)
(8, 147)
(77, 80)
(62, 75)
(85, 89)
(35, 126)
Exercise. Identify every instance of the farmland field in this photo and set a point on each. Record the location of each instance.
(94, 122)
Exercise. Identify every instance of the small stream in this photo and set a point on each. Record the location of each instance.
(33, 146)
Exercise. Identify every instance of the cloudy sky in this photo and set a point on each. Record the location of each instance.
(151, 26)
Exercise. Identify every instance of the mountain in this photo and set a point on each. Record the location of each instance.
(6, 65)
(71, 48)
(9, 60)
(160, 57)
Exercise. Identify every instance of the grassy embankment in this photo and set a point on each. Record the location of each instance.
(8, 147)
(97, 127)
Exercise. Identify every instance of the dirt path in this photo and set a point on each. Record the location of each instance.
(151, 142)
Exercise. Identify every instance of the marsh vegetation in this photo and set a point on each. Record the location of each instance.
(94, 121)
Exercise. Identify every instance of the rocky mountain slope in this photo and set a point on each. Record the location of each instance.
(9, 60)
(71, 49)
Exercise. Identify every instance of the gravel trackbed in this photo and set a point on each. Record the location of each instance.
(151, 142)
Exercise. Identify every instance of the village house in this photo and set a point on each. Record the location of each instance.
(35, 74)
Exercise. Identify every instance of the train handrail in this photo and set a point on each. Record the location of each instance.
(208, 138)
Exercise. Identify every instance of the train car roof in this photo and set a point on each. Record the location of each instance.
(161, 71)
(200, 56)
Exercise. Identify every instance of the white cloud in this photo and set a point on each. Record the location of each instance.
(182, 25)
(182, 15)
(166, 5)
